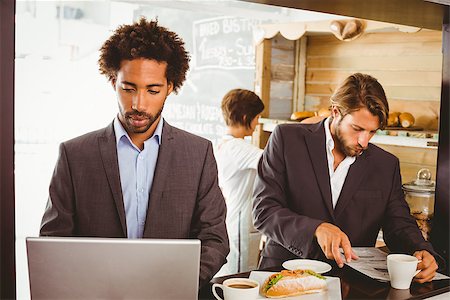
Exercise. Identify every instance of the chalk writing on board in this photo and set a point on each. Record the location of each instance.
(224, 42)
(201, 119)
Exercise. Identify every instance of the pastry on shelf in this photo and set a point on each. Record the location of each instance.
(300, 115)
(393, 119)
(406, 120)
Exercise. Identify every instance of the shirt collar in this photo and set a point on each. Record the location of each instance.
(328, 138)
(120, 131)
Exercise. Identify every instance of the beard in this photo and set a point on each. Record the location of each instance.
(130, 116)
(344, 147)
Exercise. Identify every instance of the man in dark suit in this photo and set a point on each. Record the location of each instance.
(140, 177)
(322, 187)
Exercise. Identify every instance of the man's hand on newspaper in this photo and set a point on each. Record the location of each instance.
(330, 239)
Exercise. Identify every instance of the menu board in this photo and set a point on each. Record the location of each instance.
(224, 42)
(222, 58)
(222, 52)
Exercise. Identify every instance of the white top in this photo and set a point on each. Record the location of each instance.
(337, 177)
(237, 161)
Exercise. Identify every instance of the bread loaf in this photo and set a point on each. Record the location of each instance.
(347, 30)
(393, 119)
(406, 120)
(324, 112)
(300, 115)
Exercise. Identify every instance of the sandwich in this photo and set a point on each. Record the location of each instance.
(292, 283)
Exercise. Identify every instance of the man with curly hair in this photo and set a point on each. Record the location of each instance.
(140, 177)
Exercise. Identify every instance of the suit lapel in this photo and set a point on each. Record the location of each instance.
(108, 152)
(356, 174)
(161, 174)
(316, 148)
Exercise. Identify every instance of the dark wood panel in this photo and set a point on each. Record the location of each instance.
(441, 226)
(419, 13)
(7, 236)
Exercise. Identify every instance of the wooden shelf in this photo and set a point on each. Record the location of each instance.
(402, 139)
(269, 124)
(406, 141)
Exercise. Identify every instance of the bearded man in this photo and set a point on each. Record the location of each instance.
(323, 188)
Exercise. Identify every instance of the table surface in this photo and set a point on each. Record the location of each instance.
(355, 285)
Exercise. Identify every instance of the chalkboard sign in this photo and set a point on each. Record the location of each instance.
(222, 58)
(224, 42)
(197, 107)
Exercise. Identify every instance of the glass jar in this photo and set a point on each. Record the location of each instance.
(420, 197)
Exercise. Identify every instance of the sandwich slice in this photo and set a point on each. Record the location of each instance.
(292, 283)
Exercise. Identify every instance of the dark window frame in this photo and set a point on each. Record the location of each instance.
(7, 200)
(7, 207)
(441, 222)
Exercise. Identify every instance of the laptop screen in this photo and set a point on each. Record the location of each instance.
(113, 268)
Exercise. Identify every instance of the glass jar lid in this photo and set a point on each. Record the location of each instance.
(422, 184)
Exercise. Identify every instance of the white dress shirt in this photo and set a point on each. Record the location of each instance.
(337, 177)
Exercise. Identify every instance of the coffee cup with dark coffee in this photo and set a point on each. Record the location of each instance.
(237, 289)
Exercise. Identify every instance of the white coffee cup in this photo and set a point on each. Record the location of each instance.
(402, 268)
(237, 289)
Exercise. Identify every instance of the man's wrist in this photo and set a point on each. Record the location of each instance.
(317, 228)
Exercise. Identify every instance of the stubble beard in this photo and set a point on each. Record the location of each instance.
(151, 120)
(341, 144)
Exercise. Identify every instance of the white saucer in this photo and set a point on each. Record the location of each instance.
(314, 265)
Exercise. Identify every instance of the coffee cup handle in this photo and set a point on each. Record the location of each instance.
(418, 271)
(217, 285)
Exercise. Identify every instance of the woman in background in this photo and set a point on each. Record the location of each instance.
(237, 160)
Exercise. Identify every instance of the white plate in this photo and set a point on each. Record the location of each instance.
(314, 265)
(333, 291)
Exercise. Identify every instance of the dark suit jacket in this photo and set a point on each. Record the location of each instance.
(185, 201)
(293, 196)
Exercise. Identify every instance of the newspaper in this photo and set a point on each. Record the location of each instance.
(372, 262)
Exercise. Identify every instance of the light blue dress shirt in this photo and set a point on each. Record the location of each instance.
(136, 170)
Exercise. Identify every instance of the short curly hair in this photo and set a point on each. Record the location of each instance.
(145, 39)
(240, 107)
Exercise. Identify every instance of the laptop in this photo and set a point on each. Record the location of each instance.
(113, 268)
